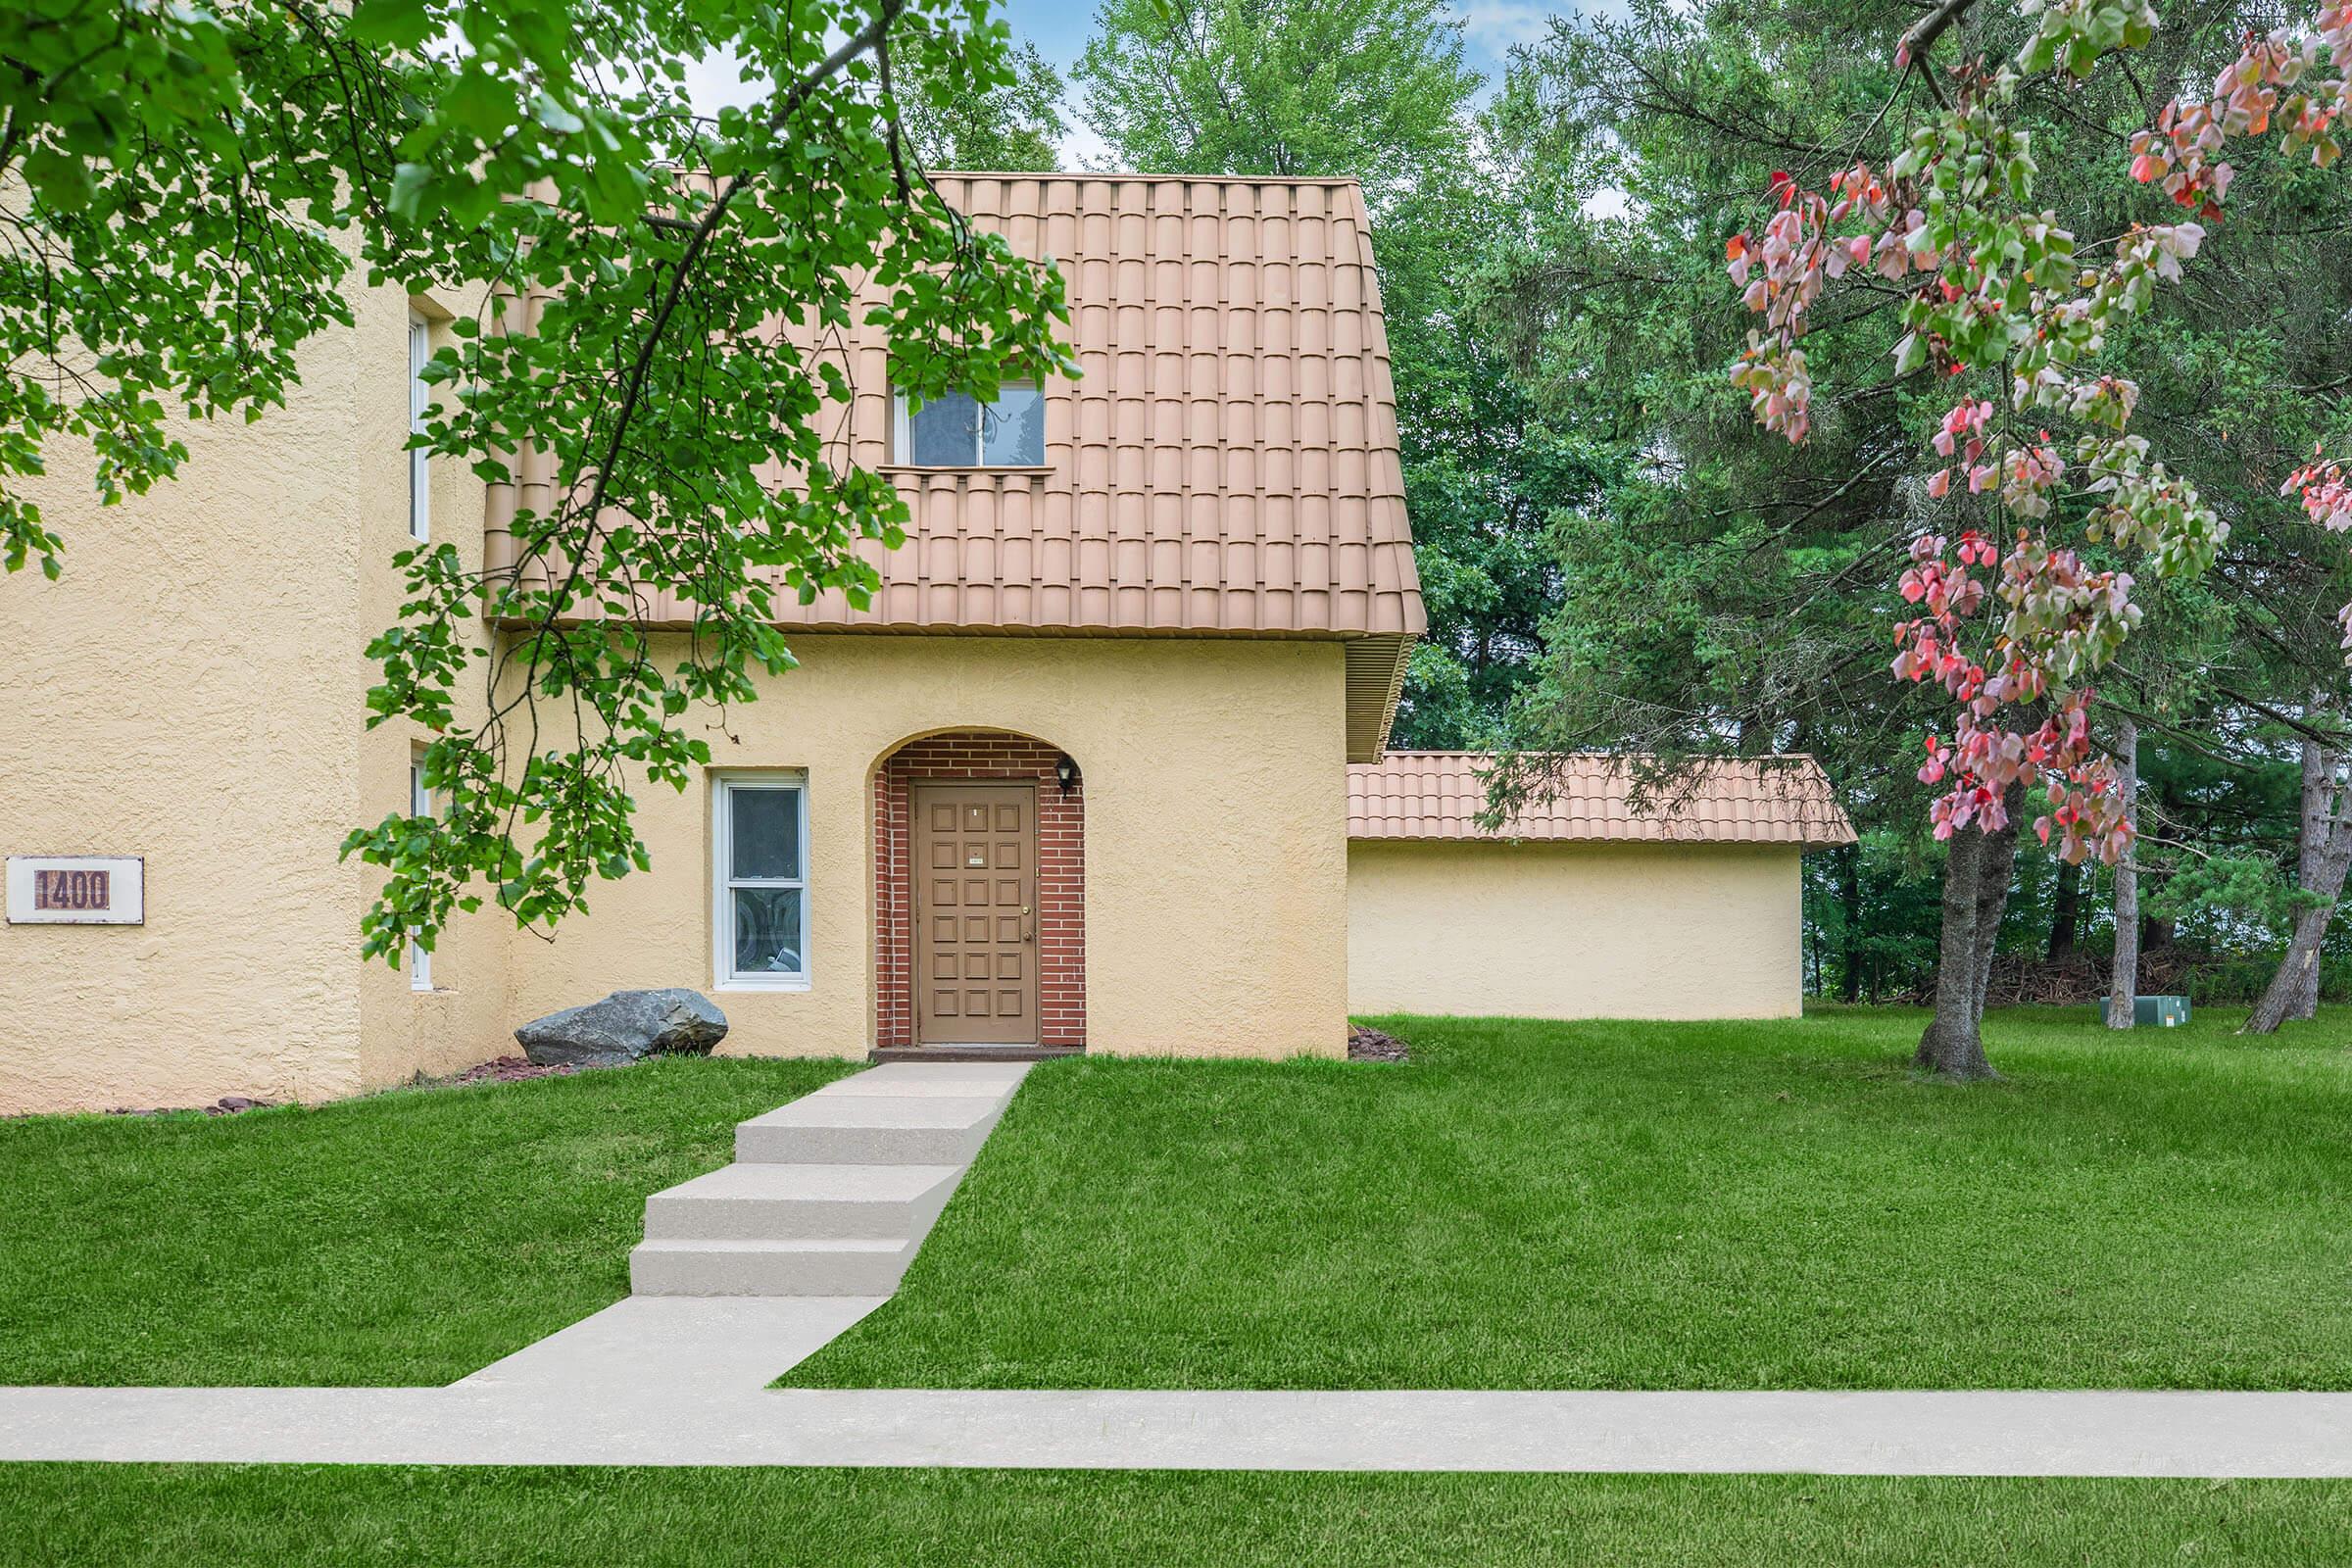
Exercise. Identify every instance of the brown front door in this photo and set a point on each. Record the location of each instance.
(975, 914)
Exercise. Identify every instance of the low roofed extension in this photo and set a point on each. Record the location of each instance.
(1440, 795)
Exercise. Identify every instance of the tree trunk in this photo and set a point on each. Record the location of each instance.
(2324, 877)
(1849, 892)
(2122, 990)
(1994, 876)
(1976, 890)
(1954, 1041)
(2319, 789)
(2066, 911)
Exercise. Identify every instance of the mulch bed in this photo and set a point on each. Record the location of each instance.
(225, 1106)
(500, 1071)
(1371, 1045)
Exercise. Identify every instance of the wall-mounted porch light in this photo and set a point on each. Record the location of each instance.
(1065, 772)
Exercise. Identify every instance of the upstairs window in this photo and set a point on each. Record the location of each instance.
(420, 349)
(760, 874)
(959, 431)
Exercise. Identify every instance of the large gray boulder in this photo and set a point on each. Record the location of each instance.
(627, 1026)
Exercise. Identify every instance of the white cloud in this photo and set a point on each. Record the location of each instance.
(1492, 26)
(713, 82)
(1082, 148)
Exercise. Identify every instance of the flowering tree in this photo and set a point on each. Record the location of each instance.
(2013, 622)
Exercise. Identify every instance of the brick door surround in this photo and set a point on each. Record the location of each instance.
(968, 756)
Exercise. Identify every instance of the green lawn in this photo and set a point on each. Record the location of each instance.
(1654, 1206)
(122, 1516)
(1524, 1205)
(406, 1238)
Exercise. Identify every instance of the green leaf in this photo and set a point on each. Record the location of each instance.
(61, 179)
(480, 104)
(394, 23)
(554, 117)
(409, 184)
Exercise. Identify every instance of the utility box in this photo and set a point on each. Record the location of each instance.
(2150, 1013)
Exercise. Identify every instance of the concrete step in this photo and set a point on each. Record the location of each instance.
(834, 1267)
(946, 1078)
(829, 1196)
(822, 1129)
(777, 1201)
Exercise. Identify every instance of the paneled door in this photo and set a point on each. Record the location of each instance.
(975, 913)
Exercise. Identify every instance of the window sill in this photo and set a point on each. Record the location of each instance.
(782, 982)
(1016, 470)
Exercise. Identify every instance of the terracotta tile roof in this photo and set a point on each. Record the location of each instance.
(1226, 465)
(1438, 795)
(1227, 461)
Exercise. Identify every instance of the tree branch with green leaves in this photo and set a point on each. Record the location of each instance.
(658, 299)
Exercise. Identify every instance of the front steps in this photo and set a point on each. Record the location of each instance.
(852, 1266)
(834, 1203)
(918, 1130)
(830, 1194)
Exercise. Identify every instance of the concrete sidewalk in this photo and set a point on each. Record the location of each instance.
(1985, 1434)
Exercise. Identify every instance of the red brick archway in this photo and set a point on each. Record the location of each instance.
(964, 755)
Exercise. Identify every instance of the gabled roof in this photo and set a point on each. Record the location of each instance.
(1438, 795)
(1226, 464)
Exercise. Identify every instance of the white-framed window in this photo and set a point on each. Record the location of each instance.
(959, 431)
(420, 501)
(420, 803)
(759, 876)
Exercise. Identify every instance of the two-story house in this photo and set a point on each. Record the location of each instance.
(1103, 765)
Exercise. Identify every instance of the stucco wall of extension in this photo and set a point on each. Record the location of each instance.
(193, 691)
(1216, 871)
(1538, 930)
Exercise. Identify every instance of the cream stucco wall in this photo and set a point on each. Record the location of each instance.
(465, 1017)
(1574, 930)
(1215, 857)
(193, 691)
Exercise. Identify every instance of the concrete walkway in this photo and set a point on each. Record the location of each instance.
(751, 1269)
(2025, 1434)
(831, 1195)
(829, 1199)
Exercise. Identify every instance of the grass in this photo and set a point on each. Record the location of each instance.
(1524, 1205)
(1654, 1206)
(122, 1516)
(406, 1238)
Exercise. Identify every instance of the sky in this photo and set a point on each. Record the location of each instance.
(1488, 27)
(1059, 29)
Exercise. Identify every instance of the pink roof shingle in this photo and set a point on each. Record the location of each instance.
(1438, 795)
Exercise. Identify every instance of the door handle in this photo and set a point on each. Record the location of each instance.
(1028, 924)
